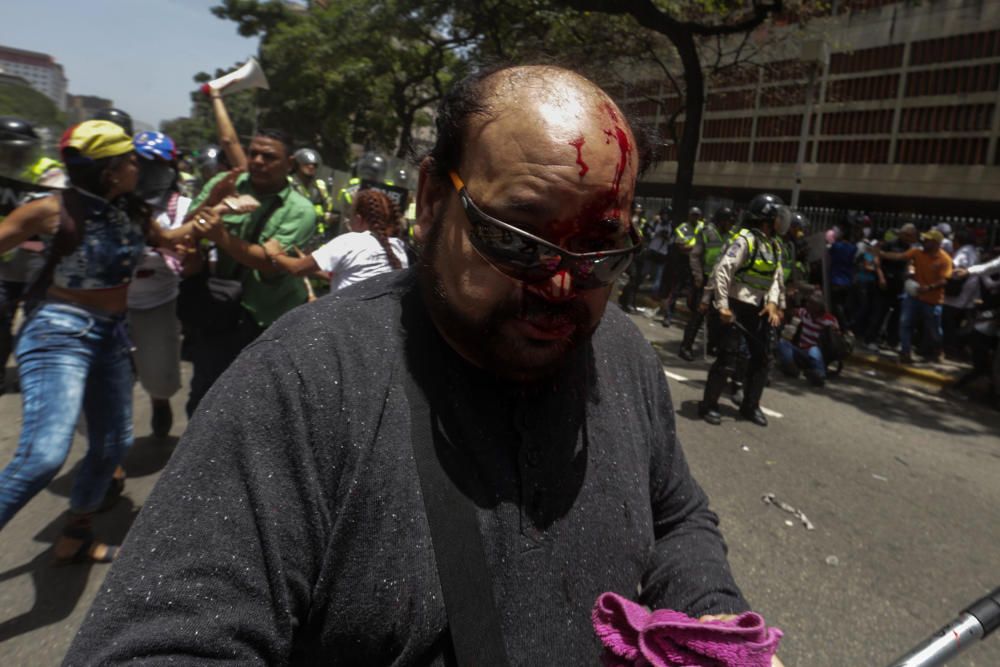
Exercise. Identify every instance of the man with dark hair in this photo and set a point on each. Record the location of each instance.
(292, 524)
(284, 215)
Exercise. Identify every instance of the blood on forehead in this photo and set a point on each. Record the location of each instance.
(601, 216)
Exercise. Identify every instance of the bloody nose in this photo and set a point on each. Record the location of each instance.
(557, 288)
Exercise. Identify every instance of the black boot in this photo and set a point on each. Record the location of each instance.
(686, 353)
(163, 418)
(710, 414)
(756, 415)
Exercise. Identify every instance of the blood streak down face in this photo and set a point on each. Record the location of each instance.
(553, 157)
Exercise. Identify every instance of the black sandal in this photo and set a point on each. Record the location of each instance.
(84, 553)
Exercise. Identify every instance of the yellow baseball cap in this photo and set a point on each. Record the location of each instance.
(96, 139)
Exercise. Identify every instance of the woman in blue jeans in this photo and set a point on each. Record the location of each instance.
(73, 352)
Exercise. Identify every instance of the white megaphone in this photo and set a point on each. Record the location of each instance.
(249, 75)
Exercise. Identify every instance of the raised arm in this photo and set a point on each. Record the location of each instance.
(228, 139)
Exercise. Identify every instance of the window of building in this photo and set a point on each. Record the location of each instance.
(975, 78)
(724, 151)
(863, 88)
(858, 122)
(864, 60)
(956, 150)
(969, 46)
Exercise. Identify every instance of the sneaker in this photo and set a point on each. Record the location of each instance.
(665, 322)
(872, 347)
(686, 353)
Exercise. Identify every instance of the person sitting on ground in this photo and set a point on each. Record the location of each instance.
(370, 248)
(805, 351)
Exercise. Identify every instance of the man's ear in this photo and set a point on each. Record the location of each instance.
(432, 197)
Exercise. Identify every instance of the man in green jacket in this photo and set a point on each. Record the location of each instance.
(267, 293)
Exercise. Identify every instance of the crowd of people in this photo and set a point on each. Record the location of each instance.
(471, 334)
(451, 413)
(935, 291)
(116, 270)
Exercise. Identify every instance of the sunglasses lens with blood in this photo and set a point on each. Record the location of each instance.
(530, 259)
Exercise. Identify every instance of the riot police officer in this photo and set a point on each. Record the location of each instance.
(304, 181)
(120, 118)
(748, 294)
(710, 241)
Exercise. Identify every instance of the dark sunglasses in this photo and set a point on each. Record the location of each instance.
(530, 259)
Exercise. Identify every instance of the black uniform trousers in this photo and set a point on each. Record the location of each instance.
(756, 335)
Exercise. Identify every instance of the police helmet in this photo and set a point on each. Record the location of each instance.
(725, 214)
(371, 167)
(799, 221)
(210, 161)
(694, 210)
(116, 116)
(19, 145)
(307, 156)
(769, 208)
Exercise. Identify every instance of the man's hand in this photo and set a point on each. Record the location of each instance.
(209, 224)
(226, 187)
(960, 273)
(702, 307)
(773, 314)
(273, 247)
(775, 661)
(726, 316)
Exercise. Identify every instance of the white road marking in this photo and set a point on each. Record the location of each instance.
(680, 378)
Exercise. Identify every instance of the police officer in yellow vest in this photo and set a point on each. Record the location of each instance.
(305, 162)
(749, 295)
(792, 253)
(710, 241)
(679, 270)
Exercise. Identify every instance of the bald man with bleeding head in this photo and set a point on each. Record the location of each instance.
(448, 464)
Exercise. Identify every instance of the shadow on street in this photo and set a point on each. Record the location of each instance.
(58, 589)
(147, 456)
(870, 395)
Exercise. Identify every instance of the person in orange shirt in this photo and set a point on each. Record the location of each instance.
(931, 269)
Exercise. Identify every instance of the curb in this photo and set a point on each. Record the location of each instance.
(857, 358)
(895, 368)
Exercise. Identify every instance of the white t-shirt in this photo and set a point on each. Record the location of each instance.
(356, 256)
(155, 281)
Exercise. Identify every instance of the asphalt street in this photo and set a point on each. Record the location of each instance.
(900, 484)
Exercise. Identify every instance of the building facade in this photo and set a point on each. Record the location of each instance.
(905, 116)
(83, 107)
(40, 70)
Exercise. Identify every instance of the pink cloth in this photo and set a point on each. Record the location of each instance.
(635, 637)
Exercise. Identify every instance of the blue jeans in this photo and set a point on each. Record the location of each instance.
(69, 357)
(791, 356)
(928, 315)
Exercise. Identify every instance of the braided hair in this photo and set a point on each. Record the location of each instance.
(380, 214)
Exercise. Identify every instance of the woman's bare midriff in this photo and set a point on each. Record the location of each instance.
(113, 300)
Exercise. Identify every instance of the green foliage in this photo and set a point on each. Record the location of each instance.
(31, 105)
